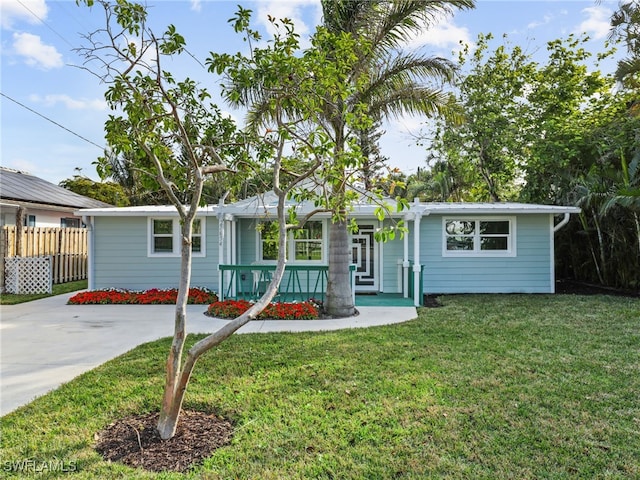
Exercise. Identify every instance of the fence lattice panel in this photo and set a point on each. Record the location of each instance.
(28, 275)
(66, 246)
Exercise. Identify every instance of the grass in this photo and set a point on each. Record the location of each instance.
(58, 289)
(486, 387)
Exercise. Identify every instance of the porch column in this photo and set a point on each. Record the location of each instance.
(405, 264)
(416, 259)
(221, 238)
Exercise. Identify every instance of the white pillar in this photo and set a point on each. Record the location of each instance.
(416, 260)
(405, 265)
(221, 237)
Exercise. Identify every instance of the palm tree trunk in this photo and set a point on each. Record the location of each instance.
(339, 299)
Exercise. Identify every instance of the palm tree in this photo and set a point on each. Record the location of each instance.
(388, 81)
(625, 25)
(396, 83)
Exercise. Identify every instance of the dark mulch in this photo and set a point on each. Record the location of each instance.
(571, 287)
(431, 301)
(134, 441)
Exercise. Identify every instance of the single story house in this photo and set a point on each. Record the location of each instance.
(34, 202)
(448, 248)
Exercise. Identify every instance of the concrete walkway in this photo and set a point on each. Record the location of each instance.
(46, 342)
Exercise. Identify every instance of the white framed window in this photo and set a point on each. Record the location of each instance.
(305, 245)
(478, 237)
(308, 243)
(164, 237)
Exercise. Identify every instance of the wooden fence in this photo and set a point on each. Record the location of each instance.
(66, 246)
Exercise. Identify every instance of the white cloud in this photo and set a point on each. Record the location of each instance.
(597, 23)
(294, 10)
(32, 11)
(36, 53)
(196, 5)
(70, 103)
(443, 34)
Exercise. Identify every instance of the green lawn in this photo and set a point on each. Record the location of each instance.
(486, 387)
(58, 289)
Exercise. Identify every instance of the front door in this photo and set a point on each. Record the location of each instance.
(365, 257)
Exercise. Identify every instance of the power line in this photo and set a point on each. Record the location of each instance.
(52, 121)
(45, 24)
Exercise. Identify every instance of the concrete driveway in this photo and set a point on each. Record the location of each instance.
(46, 342)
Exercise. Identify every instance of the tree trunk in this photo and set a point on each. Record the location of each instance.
(175, 383)
(339, 299)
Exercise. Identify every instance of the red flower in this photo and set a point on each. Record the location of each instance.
(274, 311)
(154, 296)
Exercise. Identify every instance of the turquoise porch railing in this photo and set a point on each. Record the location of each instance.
(299, 283)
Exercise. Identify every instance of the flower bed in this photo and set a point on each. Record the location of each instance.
(274, 311)
(197, 296)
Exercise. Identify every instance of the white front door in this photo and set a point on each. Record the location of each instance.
(365, 257)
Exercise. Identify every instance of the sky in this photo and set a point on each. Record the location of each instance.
(52, 109)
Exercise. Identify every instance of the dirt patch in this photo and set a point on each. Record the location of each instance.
(431, 301)
(134, 441)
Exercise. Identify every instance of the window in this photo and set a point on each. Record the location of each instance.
(478, 237)
(70, 222)
(164, 237)
(268, 241)
(307, 242)
(304, 245)
(29, 220)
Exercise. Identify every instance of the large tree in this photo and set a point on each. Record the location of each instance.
(381, 81)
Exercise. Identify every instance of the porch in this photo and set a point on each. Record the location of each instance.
(299, 283)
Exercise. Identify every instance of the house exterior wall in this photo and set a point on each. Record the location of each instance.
(529, 271)
(43, 218)
(121, 259)
(392, 252)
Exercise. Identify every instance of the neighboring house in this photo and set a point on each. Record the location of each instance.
(449, 248)
(39, 203)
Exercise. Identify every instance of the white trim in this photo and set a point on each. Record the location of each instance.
(175, 236)
(552, 254)
(476, 252)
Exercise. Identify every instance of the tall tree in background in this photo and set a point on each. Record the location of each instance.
(381, 82)
(108, 192)
(492, 95)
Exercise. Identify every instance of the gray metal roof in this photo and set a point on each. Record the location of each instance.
(24, 187)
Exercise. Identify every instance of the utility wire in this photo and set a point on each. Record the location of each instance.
(52, 121)
(46, 24)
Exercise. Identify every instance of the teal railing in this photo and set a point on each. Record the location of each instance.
(299, 283)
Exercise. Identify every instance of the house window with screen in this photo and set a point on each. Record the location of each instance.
(164, 237)
(307, 242)
(268, 241)
(479, 237)
(304, 245)
(70, 222)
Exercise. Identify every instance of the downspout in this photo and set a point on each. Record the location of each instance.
(552, 241)
(88, 221)
(562, 222)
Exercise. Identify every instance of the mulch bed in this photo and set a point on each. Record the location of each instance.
(134, 441)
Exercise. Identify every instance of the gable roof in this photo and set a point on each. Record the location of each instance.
(23, 187)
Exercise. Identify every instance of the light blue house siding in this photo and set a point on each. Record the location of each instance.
(392, 253)
(121, 257)
(529, 271)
